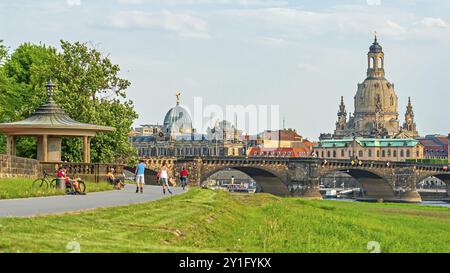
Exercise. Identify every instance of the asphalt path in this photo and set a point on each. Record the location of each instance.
(71, 203)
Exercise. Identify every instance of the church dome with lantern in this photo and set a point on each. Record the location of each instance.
(375, 105)
(177, 120)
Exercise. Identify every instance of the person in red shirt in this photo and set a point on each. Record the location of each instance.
(62, 174)
(183, 177)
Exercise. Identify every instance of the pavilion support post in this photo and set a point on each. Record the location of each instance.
(44, 148)
(89, 150)
(86, 149)
(8, 146)
(13, 145)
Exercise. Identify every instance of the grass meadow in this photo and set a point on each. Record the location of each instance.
(215, 221)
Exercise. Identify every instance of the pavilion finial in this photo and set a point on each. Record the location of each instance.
(375, 33)
(49, 86)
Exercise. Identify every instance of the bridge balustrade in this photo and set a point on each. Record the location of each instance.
(88, 171)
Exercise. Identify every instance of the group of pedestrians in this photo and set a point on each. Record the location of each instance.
(162, 177)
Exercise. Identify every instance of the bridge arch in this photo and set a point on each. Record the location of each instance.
(445, 177)
(373, 184)
(441, 196)
(269, 181)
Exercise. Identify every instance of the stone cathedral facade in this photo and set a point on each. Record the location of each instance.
(375, 106)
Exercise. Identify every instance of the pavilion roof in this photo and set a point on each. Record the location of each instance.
(51, 116)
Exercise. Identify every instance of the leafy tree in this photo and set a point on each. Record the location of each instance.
(22, 89)
(88, 88)
(3, 52)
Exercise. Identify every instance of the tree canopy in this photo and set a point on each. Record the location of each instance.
(88, 88)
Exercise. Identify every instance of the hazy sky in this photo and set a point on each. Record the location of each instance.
(300, 55)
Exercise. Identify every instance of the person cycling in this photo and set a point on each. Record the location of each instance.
(183, 177)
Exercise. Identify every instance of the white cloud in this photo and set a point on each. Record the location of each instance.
(307, 67)
(373, 2)
(433, 22)
(72, 3)
(183, 24)
(133, 2)
(264, 3)
(273, 41)
(297, 23)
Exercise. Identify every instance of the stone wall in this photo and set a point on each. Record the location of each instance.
(11, 166)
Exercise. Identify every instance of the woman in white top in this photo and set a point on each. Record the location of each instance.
(164, 178)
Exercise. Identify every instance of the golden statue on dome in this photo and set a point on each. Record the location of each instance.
(178, 95)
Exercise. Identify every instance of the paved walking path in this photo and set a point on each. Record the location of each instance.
(70, 203)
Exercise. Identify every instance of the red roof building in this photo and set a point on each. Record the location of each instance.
(435, 146)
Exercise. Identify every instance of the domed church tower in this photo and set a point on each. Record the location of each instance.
(177, 123)
(376, 103)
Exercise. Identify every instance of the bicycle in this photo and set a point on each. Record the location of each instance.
(70, 189)
(44, 183)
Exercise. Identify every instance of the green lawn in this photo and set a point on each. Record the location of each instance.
(208, 221)
(21, 188)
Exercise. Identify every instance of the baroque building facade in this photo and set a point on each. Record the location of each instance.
(375, 106)
(370, 149)
(177, 137)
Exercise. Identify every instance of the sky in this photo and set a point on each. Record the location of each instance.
(301, 56)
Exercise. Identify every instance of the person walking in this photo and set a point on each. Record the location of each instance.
(183, 177)
(164, 178)
(140, 178)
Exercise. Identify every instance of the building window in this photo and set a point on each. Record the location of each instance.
(370, 153)
(417, 153)
(389, 153)
(395, 153)
(334, 153)
(342, 153)
(402, 154)
(349, 153)
(383, 153)
(408, 153)
(323, 154)
(328, 154)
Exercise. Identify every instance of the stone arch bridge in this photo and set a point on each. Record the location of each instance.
(390, 181)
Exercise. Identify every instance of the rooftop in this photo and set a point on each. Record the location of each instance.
(50, 116)
(368, 142)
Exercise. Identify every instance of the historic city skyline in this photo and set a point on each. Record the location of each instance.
(283, 49)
